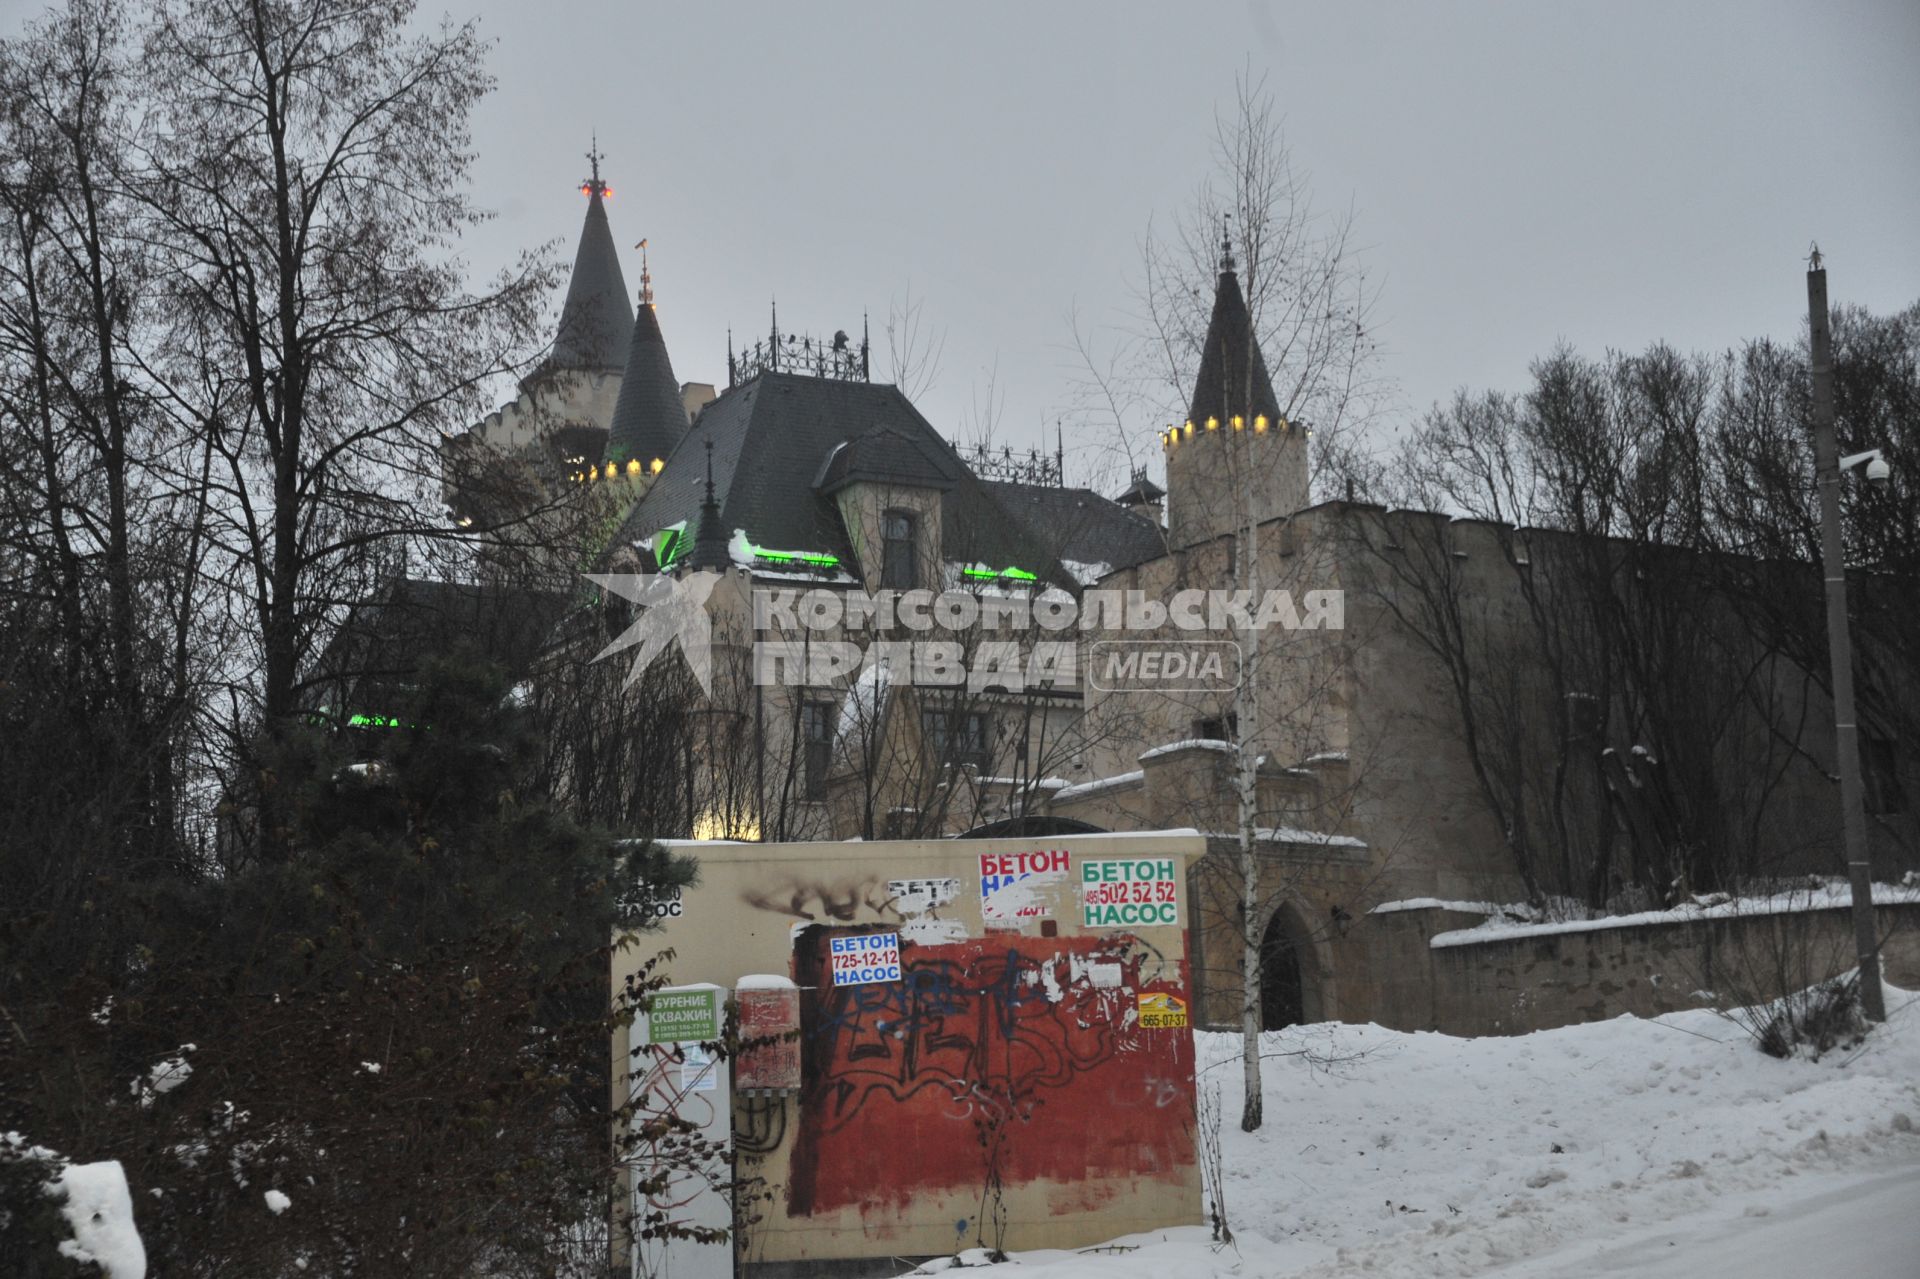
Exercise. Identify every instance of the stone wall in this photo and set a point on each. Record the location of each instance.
(1513, 984)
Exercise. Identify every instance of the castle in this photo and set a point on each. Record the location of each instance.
(802, 475)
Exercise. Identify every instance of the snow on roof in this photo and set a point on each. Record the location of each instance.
(1099, 784)
(1165, 832)
(1293, 835)
(1434, 903)
(1086, 572)
(819, 577)
(1038, 783)
(1187, 744)
(1300, 835)
(1827, 896)
(764, 981)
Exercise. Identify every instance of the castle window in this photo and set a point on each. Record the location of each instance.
(956, 737)
(899, 560)
(816, 743)
(1217, 728)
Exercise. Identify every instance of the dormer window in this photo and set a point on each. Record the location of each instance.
(899, 559)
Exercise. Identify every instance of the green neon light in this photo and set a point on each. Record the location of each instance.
(818, 559)
(672, 542)
(669, 543)
(360, 720)
(989, 575)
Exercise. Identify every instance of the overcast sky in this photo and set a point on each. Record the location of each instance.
(1605, 174)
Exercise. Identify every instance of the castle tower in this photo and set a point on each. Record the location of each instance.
(555, 429)
(1236, 454)
(650, 417)
(596, 321)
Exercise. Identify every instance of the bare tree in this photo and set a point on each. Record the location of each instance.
(913, 347)
(304, 184)
(1631, 686)
(1310, 306)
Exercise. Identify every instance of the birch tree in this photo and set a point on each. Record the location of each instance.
(1311, 304)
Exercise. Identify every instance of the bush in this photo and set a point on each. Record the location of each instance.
(1819, 1018)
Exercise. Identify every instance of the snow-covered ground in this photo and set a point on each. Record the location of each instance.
(1661, 1148)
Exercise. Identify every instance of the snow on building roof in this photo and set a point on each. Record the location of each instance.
(1099, 784)
(1187, 744)
(1504, 926)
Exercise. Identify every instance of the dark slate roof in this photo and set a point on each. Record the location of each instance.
(775, 435)
(1220, 390)
(1141, 492)
(385, 642)
(886, 455)
(650, 418)
(1080, 524)
(597, 319)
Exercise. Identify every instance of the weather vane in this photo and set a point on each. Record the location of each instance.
(593, 185)
(1813, 258)
(646, 276)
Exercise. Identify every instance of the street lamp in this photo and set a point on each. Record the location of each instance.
(1828, 467)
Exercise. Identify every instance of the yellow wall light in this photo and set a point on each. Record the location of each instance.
(659, 465)
(1213, 424)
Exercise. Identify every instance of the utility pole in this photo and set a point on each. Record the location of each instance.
(1853, 813)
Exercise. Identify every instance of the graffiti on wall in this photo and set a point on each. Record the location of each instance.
(1009, 1058)
(916, 902)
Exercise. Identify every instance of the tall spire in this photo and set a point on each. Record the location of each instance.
(1220, 390)
(596, 321)
(710, 549)
(649, 418)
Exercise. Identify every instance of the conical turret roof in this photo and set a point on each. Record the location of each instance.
(596, 323)
(650, 417)
(1220, 391)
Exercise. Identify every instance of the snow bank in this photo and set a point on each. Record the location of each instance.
(1621, 1147)
(100, 1209)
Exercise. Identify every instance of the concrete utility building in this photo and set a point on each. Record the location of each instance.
(1415, 743)
(989, 1047)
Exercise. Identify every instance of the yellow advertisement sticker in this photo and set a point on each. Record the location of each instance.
(1162, 1012)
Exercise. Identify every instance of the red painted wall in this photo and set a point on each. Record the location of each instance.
(995, 1054)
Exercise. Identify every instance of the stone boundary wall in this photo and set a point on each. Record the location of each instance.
(1536, 981)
